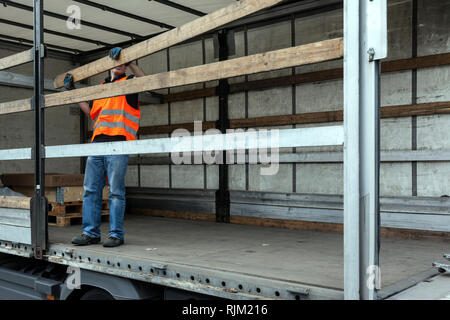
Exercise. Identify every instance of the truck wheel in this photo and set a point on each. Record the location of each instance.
(97, 294)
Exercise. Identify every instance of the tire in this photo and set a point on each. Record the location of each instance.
(97, 294)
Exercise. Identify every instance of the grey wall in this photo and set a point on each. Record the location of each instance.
(399, 179)
(16, 130)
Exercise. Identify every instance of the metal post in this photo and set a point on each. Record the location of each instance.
(365, 34)
(39, 205)
(223, 194)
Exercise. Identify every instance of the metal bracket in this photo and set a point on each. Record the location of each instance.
(442, 267)
(33, 152)
(376, 17)
(159, 266)
(371, 53)
(43, 51)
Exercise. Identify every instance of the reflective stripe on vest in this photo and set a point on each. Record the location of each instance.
(114, 116)
(116, 125)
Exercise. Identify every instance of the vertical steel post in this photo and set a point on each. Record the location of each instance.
(39, 205)
(365, 36)
(223, 194)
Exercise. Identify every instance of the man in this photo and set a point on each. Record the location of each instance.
(115, 119)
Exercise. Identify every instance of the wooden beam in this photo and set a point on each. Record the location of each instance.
(51, 180)
(15, 202)
(15, 106)
(308, 118)
(274, 60)
(324, 75)
(190, 95)
(172, 37)
(16, 59)
(416, 63)
(170, 128)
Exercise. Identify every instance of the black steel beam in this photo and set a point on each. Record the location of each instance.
(63, 17)
(285, 11)
(125, 14)
(39, 204)
(223, 193)
(181, 7)
(56, 33)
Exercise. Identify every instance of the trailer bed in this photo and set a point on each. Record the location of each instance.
(236, 261)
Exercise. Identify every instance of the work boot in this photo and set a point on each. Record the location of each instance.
(84, 240)
(112, 242)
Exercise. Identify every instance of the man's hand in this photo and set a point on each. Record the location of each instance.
(114, 54)
(68, 82)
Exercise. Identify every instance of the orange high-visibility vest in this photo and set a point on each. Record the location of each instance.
(114, 117)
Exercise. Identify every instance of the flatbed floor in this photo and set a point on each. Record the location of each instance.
(291, 256)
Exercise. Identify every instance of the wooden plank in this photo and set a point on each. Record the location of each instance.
(274, 60)
(416, 63)
(15, 106)
(172, 37)
(51, 180)
(174, 214)
(70, 194)
(324, 75)
(15, 202)
(308, 118)
(170, 128)
(190, 95)
(17, 59)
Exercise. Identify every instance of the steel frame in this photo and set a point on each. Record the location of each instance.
(361, 159)
(180, 7)
(365, 45)
(39, 204)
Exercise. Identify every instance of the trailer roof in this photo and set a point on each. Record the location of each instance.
(137, 18)
(106, 23)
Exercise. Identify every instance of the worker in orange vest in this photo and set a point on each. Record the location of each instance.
(114, 119)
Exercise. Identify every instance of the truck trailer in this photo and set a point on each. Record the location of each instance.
(343, 99)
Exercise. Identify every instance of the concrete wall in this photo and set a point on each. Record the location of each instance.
(16, 130)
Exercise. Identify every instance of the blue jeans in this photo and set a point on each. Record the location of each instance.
(94, 181)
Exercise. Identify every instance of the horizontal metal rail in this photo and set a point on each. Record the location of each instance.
(16, 154)
(319, 157)
(303, 137)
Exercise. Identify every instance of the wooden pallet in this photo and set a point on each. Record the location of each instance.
(69, 213)
(75, 207)
(71, 219)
